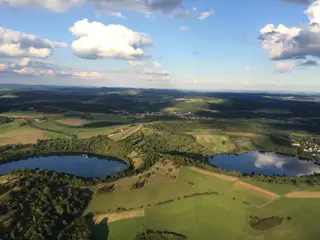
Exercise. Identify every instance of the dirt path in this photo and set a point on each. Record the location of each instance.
(256, 190)
(297, 194)
(112, 217)
(218, 175)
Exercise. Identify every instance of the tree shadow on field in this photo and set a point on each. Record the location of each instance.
(101, 124)
(99, 231)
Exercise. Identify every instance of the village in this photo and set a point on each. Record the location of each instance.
(309, 147)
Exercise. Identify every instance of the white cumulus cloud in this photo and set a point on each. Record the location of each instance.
(143, 64)
(30, 67)
(284, 66)
(35, 71)
(97, 40)
(88, 75)
(3, 67)
(283, 42)
(118, 15)
(205, 15)
(19, 44)
(149, 71)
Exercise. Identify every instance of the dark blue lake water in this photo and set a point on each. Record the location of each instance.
(80, 165)
(265, 163)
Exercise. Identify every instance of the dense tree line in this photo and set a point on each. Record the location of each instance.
(77, 230)
(42, 204)
(4, 120)
(150, 234)
(266, 223)
(100, 145)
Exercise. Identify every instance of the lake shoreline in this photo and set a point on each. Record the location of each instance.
(264, 163)
(99, 156)
(86, 165)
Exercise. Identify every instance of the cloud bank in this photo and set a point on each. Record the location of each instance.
(284, 66)
(148, 71)
(29, 67)
(174, 8)
(143, 64)
(18, 44)
(97, 41)
(283, 42)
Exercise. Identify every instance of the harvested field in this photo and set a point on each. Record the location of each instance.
(123, 134)
(305, 194)
(201, 138)
(72, 121)
(221, 176)
(116, 216)
(22, 135)
(256, 190)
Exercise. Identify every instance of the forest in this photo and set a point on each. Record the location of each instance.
(42, 204)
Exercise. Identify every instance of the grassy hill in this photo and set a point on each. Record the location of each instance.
(203, 207)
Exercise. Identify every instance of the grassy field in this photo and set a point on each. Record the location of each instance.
(16, 132)
(187, 182)
(281, 189)
(20, 131)
(214, 142)
(303, 212)
(124, 133)
(28, 114)
(136, 158)
(215, 216)
(72, 121)
(52, 127)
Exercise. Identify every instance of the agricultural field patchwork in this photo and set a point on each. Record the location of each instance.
(224, 210)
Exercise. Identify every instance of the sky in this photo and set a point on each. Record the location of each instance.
(213, 45)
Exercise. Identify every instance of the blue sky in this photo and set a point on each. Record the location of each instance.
(220, 52)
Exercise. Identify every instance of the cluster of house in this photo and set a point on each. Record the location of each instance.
(309, 147)
(283, 121)
(188, 115)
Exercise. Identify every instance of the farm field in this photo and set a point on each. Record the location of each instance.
(90, 132)
(28, 114)
(72, 121)
(29, 132)
(17, 132)
(123, 134)
(212, 216)
(215, 142)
